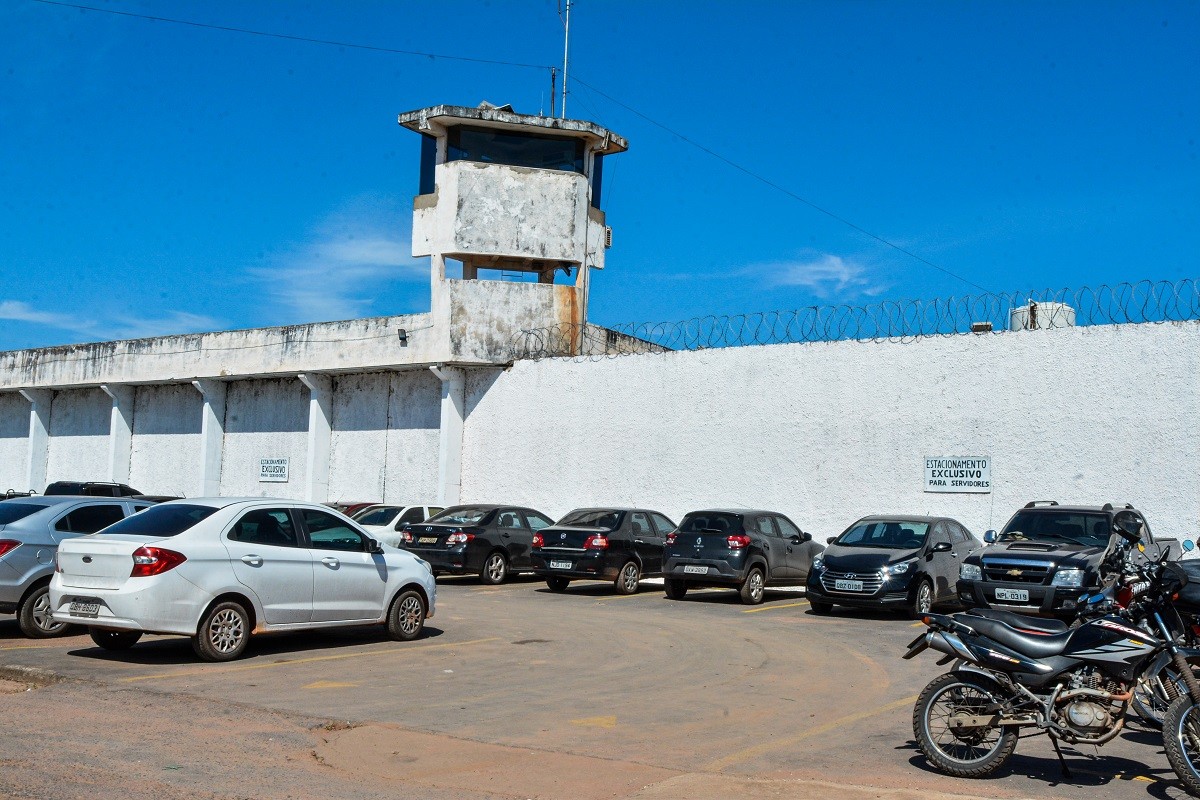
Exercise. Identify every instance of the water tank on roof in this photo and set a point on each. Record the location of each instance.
(1036, 315)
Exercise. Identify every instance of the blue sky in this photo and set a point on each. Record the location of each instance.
(160, 178)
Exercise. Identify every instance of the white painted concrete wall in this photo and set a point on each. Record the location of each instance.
(79, 425)
(385, 438)
(14, 442)
(265, 419)
(165, 458)
(827, 433)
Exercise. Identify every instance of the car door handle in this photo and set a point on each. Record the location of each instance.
(638, 541)
(505, 536)
(330, 561)
(254, 561)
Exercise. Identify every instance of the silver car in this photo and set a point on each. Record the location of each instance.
(31, 529)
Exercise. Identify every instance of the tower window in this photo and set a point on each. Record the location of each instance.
(515, 149)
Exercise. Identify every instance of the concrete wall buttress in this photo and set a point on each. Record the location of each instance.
(40, 401)
(120, 431)
(450, 435)
(212, 436)
(320, 435)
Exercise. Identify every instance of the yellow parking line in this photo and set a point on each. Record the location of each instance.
(917, 625)
(340, 656)
(776, 744)
(772, 608)
(40, 647)
(630, 596)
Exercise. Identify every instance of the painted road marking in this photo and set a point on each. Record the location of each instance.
(776, 744)
(339, 657)
(331, 685)
(772, 608)
(596, 722)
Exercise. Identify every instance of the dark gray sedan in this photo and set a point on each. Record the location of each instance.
(622, 545)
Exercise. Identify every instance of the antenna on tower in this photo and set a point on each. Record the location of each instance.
(565, 15)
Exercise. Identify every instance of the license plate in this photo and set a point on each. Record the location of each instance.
(84, 608)
(560, 565)
(848, 586)
(427, 540)
(694, 570)
(1013, 595)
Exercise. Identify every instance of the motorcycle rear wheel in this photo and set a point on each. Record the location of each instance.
(970, 753)
(1181, 740)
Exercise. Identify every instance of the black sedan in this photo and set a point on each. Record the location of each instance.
(891, 562)
(622, 545)
(490, 541)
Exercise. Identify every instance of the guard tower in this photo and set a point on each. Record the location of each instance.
(515, 193)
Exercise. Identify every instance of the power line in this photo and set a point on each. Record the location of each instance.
(290, 38)
(352, 45)
(777, 187)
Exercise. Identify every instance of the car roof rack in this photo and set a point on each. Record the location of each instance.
(1035, 503)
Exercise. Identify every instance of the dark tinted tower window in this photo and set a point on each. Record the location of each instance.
(515, 149)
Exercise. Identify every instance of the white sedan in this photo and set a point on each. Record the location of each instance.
(217, 569)
(386, 523)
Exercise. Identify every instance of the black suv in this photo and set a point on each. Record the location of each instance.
(745, 550)
(489, 541)
(1046, 557)
(622, 545)
(92, 489)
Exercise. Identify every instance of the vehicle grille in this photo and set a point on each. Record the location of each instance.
(1001, 570)
(871, 581)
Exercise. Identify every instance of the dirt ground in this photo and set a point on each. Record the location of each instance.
(516, 692)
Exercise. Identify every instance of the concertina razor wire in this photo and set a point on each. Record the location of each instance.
(892, 320)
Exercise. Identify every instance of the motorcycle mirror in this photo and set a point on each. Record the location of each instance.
(1188, 545)
(1128, 525)
(990, 537)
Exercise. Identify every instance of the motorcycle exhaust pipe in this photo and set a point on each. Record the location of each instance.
(950, 644)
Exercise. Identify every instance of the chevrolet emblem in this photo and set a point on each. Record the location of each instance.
(1014, 573)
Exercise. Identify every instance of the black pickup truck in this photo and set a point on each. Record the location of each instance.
(1046, 557)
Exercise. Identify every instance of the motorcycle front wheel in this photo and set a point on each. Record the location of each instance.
(1150, 696)
(1181, 740)
(942, 725)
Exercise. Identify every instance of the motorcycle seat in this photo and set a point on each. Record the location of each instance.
(1022, 622)
(1034, 645)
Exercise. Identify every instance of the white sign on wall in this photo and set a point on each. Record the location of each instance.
(272, 470)
(958, 474)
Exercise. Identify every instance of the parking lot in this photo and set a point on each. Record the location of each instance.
(515, 691)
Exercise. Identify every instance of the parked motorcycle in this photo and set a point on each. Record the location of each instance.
(1075, 685)
(1159, 684)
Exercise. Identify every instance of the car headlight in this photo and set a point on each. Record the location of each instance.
(1068, 577)
(897, 569)
(819, 564)
(970, 572)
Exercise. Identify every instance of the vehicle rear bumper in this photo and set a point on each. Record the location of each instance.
(1050, 600)
(164, 603)
(585, 565)
(719, 572)
(453, 561)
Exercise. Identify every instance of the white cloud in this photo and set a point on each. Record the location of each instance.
(341, 270)
(20, 311)
(826, 276)
(120, 326)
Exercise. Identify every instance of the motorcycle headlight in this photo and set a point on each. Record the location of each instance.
(970, 572)
(1068, 577)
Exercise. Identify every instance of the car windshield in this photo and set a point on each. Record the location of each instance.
(711, 521)
(593, 518)
(463, 515)
(11, 512)
(891, 534)
(170, 519)
(1089, 530)
(377, 516)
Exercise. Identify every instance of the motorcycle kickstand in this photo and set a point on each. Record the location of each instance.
(1062, 761)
